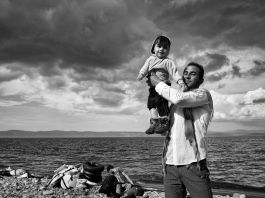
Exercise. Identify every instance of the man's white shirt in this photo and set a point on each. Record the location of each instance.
(179, 150)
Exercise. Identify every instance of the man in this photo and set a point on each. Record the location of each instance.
(185, 149)
(118, 184)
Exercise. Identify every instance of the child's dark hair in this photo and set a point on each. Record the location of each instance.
(161, 41)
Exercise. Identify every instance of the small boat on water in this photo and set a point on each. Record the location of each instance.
(218, 188)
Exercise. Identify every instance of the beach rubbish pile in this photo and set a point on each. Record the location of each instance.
(77, 176)
(18, 173)
(118, 184)
(109, 185)
(84, 176)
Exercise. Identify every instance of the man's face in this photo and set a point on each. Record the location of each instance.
(191, 77)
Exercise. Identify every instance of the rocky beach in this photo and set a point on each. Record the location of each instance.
(37, 188)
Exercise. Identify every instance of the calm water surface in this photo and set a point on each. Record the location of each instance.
(238, 160)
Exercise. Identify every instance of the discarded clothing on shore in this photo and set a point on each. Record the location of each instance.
(118, 184)
(112, 188)
(79, 176)
(91, 171)
(5, 173)
(19, 173)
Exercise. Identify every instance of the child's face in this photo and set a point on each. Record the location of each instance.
(161, 51)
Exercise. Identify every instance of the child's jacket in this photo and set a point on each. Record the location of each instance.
(163, 68)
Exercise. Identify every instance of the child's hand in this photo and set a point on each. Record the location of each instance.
(139, 77)
(182, 85)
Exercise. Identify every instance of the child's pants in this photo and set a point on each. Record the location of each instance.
(158, 102)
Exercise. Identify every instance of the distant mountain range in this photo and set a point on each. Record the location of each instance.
(85, 134)
(66, 134)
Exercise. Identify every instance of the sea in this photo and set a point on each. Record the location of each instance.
(237, 159)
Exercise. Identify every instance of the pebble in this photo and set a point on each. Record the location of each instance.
(42, 187)
(25, 196)
(237, 195)
(48, 192)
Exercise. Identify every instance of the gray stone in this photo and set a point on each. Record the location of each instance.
(47, 192)
(25, 196)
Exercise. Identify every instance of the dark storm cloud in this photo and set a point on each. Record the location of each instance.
(114, 89)
(257, 101)
(88, 33)
(141, 95)
(125, 73)
(85, 35)
(215, 77)
(258, 69)
(15, 98)
(8, 77)
(217, 61)
(220, 86)
(236, 71)
(56, 83)
(109, 95)
(237, 23)
(49, 69)
(108, 101)
(83, 73)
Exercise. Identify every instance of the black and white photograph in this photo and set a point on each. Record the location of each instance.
(132, 98)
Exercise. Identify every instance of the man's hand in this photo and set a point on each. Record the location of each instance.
(152, 80)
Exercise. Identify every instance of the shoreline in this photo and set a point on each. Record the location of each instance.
(220, 189)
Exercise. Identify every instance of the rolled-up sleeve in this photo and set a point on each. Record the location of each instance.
(193, 98)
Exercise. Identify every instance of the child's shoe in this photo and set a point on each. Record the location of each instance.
(163, 126)
(153, 124)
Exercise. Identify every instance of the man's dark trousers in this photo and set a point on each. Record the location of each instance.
(191, 177)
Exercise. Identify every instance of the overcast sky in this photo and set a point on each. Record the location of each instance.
(72, 64)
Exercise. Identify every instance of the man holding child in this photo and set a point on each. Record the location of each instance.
(185, 150)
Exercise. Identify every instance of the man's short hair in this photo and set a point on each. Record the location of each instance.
(201, 74)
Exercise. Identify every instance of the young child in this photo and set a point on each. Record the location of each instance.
(164, 68)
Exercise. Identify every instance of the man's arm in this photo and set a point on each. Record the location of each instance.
(127, 177)
(119, 171)
(193, 98)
